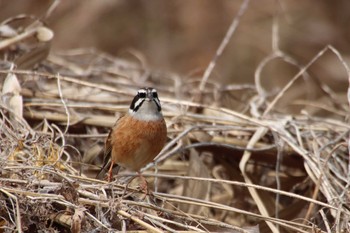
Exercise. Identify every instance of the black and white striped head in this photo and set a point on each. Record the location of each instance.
(146, 105)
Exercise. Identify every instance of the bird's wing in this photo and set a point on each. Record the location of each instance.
(107, 154)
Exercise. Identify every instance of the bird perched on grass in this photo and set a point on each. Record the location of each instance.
(137, 137)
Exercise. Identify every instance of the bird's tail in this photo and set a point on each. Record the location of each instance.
(101, 174)
(104, 170)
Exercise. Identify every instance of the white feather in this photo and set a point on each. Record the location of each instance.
(148, 111)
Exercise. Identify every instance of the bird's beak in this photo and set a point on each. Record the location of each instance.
(149, 97)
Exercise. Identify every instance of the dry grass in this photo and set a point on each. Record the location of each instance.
(221, 170)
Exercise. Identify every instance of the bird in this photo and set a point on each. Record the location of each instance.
(137, 137)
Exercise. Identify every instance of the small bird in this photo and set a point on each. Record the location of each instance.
(137, 137)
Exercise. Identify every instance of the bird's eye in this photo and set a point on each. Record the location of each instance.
(142, 95)
(155, 95)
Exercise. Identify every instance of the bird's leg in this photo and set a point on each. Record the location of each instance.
(110, 172)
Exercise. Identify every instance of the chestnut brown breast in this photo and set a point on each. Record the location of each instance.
(142, 141)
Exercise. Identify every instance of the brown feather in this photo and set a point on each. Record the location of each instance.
(132, 143)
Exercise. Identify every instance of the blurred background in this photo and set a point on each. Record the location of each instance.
(183, 36)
